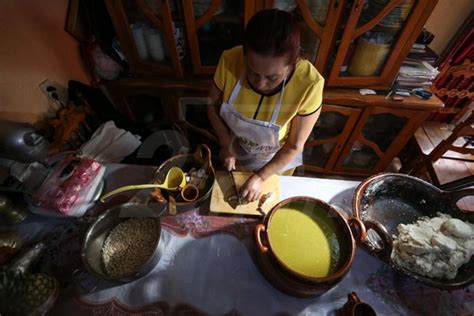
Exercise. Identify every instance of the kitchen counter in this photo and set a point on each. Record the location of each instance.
(209, 267)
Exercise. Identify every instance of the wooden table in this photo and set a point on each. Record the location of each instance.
(208, 267)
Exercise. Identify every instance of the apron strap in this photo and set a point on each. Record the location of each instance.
(276, 109)
(235, 92)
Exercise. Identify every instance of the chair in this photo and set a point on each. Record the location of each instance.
(454, 87)
(457, 146)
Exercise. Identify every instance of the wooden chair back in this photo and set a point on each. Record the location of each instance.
(463, 129)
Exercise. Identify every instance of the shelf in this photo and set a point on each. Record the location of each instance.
(227, 19)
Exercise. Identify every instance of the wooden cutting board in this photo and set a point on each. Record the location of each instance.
(223, 190)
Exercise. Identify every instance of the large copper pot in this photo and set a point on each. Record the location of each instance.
(349, 233)
(385, 200)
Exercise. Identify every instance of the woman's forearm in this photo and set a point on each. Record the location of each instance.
(282, 158)
(301, 128)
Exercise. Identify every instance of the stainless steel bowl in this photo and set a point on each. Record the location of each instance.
(91, 253)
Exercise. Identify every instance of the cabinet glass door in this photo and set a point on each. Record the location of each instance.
(213, 26)
(149, 35)
(377, 37)
(370, 147)
(318, 20)
(328, 137)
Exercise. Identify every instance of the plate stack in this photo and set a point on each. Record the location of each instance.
(394, 19)
(200, 7)
(319, 10)
(285, 5)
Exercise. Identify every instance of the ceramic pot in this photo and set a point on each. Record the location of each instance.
(355, 307)
(343, 235)
(201, 158)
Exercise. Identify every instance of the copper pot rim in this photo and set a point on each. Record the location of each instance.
(450, 197)
(362, 188)
(344, 228)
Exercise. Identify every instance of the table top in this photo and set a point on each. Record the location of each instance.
(208, 267)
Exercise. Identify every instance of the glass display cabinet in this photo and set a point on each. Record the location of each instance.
(318, 21)
(376, 39)
(173, 47)
(213, 26)
(148, 35)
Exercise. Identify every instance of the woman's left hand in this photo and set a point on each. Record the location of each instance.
(252, 188)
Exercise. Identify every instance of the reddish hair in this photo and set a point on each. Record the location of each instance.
(273, 33)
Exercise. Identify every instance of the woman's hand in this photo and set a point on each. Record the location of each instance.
(227, 156)
(252, 188)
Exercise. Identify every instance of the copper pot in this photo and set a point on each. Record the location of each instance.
(348, 232)
(385, 200)
(355, 307)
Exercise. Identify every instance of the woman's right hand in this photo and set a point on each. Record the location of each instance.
(227, 156)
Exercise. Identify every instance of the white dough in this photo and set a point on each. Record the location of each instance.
(434, 247)
(458, 228)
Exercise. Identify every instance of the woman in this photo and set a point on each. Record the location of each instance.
(265, 100)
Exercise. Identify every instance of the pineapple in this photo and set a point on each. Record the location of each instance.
(39, 287)
(25, 294)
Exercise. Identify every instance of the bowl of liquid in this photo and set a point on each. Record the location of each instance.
(307, 243)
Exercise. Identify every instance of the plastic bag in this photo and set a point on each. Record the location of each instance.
(67, 184)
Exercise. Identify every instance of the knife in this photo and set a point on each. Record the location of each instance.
(234, 187)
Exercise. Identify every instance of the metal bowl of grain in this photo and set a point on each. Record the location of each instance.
(123, 248)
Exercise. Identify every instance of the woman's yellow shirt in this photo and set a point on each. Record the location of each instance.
(303, 92)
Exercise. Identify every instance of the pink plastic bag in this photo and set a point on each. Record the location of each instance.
(66, 184)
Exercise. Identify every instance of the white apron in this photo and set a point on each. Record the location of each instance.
(256, 141)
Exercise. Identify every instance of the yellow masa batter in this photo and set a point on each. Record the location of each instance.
(303, 237)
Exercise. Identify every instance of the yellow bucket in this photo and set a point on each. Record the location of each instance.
(368, 58)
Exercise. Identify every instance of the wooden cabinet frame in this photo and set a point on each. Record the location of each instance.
(169, 94)
(414, 119)
(193, 25)
(326, 33)
(339, 141)
(399, 50)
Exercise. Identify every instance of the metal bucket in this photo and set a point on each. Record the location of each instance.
(97, 233)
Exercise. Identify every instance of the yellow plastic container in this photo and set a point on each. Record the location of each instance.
(368, 58)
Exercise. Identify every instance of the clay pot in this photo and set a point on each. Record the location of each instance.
(201, 158)
(348, 233)
(355, 307)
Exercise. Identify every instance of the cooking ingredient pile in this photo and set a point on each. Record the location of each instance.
(434, 247)
(129, 245)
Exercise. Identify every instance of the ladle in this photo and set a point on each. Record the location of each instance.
(174, 180)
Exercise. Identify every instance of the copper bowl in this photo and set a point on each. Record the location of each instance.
(385, 200)
(348, 233)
